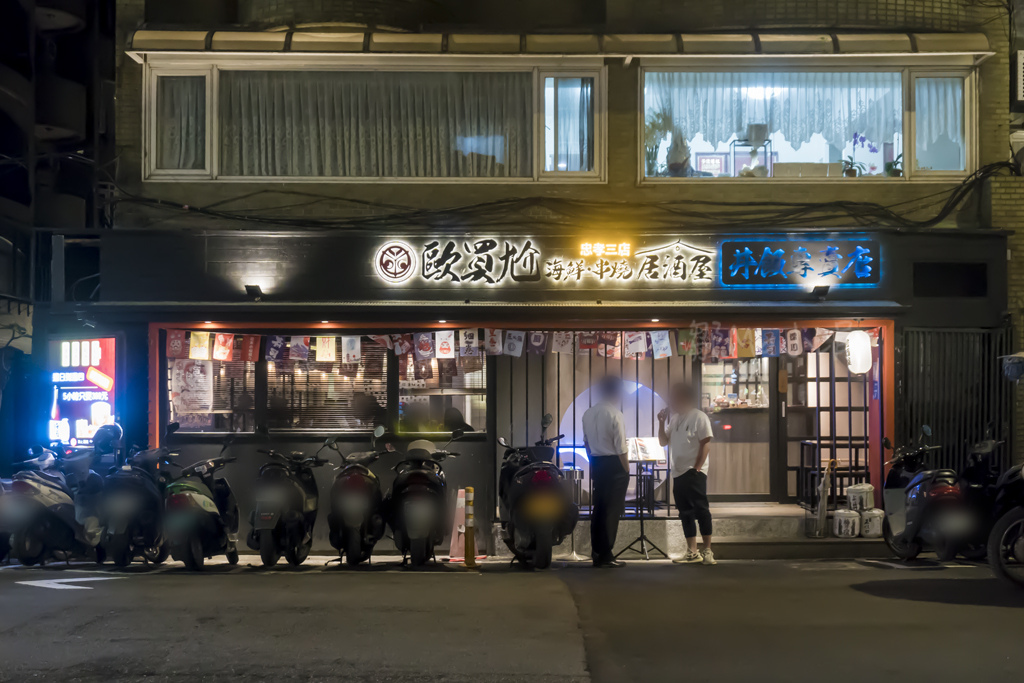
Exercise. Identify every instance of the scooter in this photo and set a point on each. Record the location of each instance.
(1006, 540)
(53, 509)
(133, 506)
(923, 508)
(201, 514)
(286, 503)
(356, 519)
(534, 504)
(416, 506)
(979, 486)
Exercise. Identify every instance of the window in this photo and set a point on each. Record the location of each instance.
(512, 123)
(180, 123)
(939, 141)
(212, 395)
(440, 395)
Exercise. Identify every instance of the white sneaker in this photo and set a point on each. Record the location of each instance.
(691, 557)
(709, 557)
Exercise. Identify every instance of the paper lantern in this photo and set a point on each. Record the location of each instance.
(858, 352)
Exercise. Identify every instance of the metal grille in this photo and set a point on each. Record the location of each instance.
(951, 381)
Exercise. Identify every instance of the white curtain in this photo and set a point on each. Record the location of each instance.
(836, 105)
(575, 130)
(382, 124)
(181, 122)
(939, 105)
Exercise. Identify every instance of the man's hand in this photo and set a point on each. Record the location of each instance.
(663, 414)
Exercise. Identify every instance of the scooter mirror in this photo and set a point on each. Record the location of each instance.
(926, 430)
(502, 442)
(457, 434)
(329, 443)
(173, 427)
(379, 431)
(546, 421)
(886, 443)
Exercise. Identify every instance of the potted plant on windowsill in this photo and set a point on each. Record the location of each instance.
(658, 126)
(852, 168)
(894, 168)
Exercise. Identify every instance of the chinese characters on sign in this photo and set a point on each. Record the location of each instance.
(795, 263)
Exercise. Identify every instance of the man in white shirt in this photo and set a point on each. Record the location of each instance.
(604, 435)
(688, 436)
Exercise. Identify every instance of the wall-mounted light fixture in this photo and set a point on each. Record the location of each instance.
(254, 292)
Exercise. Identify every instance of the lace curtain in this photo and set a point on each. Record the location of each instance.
(939, 103)
(181, 122)
(798, 104)
(381, 124)
(575, 148)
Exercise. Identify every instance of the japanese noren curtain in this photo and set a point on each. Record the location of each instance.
(376, 124)
(181, 122)
(836, 105)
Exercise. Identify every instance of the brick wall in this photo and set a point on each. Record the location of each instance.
(1007, 213)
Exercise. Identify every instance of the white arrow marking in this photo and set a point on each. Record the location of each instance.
(67, 584)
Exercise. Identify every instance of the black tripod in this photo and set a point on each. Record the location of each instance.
(644, 493)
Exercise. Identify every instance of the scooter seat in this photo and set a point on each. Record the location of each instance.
(943, 476)
(53, 480)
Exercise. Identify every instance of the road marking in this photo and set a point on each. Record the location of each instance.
(68, 584)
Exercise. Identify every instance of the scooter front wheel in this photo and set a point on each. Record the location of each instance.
(119, 549)
(353, 547)
(268, 548)
(904, 550)
(298, 553)
(157, 554)
(27, 544)
(1006, 547)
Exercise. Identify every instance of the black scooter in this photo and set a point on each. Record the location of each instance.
(287, 499)
(416, 506)
(923, 508)
(536, 510)
(1006, 540)
(357, 517)
(133, 506)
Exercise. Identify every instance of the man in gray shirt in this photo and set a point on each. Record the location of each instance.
(604, 435)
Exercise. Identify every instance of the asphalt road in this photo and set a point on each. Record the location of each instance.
(738, 621)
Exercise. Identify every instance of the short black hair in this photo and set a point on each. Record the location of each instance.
(684, 390)
(609, 386)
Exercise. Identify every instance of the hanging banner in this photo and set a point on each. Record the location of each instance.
(423, 345)
(686, 341)
(514, 343)
(586, 341)
(402, 343)
(492, 341)
(609, 345)
(250, 348)
(661, 343)
(794, 342)
(469, 342)
(423, 369)
(176, 344)
(192, 386)
(325, 350)
(383, 340)
(445, 343)
(351, 349)
(721, 343)
(277, 347)
(298, 348)
(538, 343)
(636, 344)
(807, 335)
(199, 346)
(821, 336)
(561, 342)
(745, 345)
(770, 343)
(223, 347)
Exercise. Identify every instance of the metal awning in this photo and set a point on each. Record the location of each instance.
(821, 45)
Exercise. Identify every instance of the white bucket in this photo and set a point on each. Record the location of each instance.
(846, 524)
(860, 497)
(871, 523)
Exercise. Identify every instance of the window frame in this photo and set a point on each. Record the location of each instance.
(211, 66)
(909, 72)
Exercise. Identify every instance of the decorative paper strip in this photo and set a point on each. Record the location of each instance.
(298, 348)
(686, 341)
(223, 346)
(469, 342)
(423, 345)
(402, 343)
(514, 343)
(445, 342)
(325, 350)
(176, 347)
(794, 342)
(636, 344)
(721, 343)
(770, 343)
(276, 347)
(199, 346)
(561, 342)
(250, 348)
(538, 343)
(383, 340)
(661, 342)
(609, 345)
(808, 339)
(351, 349)
(492, 341)
(745, 342)
(587, 341)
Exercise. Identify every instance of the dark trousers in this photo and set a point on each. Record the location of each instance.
(690, 489)
(610, 484)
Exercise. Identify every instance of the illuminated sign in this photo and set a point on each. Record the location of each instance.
(83, 374)
(800, 263)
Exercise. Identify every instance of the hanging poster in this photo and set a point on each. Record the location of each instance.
(423, 345)
(561, 342)
(807, 335)
(276, 347)
(402, 343)
(446, 369)
(445, 342)
(325, 350)
(686, 341)
(192, 386)
(770, 343)
(794, 342)
(223, 346)
(721, 343)
(745, 342)
(250, 348)
(298, 348)
(383, 339)
(351, 349)
(514, 343)
(587, 341)
(649, 353)
(469, 342)
(610, 346)
(423, 369)
(176, 344)
(538, 343)
(636, 344)
(492, 341)
(199, 346)
(661, 343)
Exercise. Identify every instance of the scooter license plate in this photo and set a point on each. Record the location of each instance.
(353, 509)
(120, 504)
(543, 507)
(956, 524)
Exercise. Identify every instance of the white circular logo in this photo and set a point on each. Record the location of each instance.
(395, 262)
